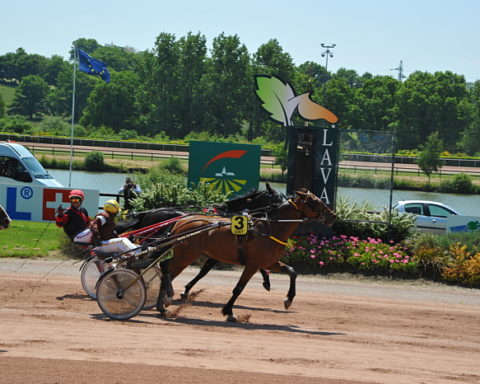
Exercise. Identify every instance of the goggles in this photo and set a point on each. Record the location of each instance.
(75, 199)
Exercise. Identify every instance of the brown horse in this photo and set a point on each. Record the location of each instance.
(262, 249)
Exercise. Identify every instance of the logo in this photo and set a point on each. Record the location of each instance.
(279, 99)
(225, 181)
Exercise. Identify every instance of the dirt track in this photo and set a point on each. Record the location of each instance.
(337, 331)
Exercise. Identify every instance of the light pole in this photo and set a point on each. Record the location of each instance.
(327, 53)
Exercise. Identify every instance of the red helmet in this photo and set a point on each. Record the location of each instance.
(76, 193)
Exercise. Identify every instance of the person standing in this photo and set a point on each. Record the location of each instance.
(130, 190)
(74, 220)
(104, 236)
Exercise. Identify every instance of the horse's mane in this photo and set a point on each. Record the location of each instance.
(254, 199)
(145, 218)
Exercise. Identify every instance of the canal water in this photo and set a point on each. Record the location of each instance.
(378, 198)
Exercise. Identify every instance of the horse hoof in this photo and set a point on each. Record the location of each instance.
(163, 312)
(231, 319)
(287, 303)
(266, 286)
(183, 298)
(167, 301)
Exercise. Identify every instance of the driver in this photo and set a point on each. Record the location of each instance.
(103, 231)
(75, 218)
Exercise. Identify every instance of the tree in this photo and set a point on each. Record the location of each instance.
(427, 103)
(158, 95)
(281, 156)
(228, 85)
(192, 67)
(52, 68)
(470, 136)
(87, 45)
(117, 58)
(30, 97)
(113, 105)
(374, 103)
(429, 158)
(60, 97)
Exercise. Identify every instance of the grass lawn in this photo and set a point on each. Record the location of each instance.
(7, 93)
(31, 239)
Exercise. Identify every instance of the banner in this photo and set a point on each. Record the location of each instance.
(227, 167)
(36, 203)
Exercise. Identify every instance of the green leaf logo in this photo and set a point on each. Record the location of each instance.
(278, 98)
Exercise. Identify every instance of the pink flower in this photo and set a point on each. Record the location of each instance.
(321, 263)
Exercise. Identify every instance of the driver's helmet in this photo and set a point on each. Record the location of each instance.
(111, 206)
(76, 193)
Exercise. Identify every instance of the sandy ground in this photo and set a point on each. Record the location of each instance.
(338, 331)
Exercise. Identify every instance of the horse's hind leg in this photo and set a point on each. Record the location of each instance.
(227, 310)
(166, 288)
(282, 267)
(209, 264)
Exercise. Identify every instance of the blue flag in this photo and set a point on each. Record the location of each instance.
(92, 66)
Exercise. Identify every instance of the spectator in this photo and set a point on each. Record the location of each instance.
(129, 191)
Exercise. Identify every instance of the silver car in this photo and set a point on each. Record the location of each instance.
(430, 216)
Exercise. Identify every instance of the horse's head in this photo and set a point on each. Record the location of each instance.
(313, 207)
(263, 200)
(4, 219)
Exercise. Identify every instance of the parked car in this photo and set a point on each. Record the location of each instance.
(430, 216)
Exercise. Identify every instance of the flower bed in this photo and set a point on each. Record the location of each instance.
(350, 254)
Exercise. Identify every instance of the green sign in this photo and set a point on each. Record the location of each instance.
(225, 166)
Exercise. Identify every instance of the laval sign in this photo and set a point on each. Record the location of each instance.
(312, 150)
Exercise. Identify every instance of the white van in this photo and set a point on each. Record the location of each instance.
(19, 167)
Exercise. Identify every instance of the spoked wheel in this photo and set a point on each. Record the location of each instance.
(120, 295)
(91, 272)
(152, 279)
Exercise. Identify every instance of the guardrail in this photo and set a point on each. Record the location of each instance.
(119, 153)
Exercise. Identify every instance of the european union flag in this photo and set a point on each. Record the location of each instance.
(92, 66)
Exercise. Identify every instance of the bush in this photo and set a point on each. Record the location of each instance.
(359, 220)
(163, 189)
(464, 268)
(15, 124)
(461, 183)
(429, 254)
(94, 161)
(173, 165)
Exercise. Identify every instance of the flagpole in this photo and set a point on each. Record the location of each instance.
(73, 116)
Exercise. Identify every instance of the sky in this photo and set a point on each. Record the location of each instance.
(369, 35)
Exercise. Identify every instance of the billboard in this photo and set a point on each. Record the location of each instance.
(37, 203)
(226, 167)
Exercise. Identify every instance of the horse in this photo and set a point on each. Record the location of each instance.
(255, 202)
(262, 249)
(4, 219)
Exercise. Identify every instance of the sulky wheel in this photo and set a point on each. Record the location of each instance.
(152, 279)
(121, 294)
(91, 272)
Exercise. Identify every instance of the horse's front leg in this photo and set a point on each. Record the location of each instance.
(227, 310)
(266, 279)
(282, 267)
